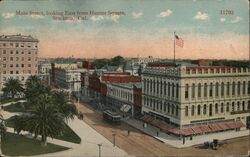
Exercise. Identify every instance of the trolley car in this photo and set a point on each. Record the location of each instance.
(111, 117)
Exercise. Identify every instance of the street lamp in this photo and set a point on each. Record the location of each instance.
(99, 145)
(113, 134)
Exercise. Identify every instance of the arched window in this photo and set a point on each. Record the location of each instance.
(217, 89)
(193, 90)
(210, 109)
(177, 90)
(228, 88)
(204, 109)
(199, 110)
(244, 88)
(232, 106)
(205, 90)
(211, 90)
(165, 88)
(243, 105)
(173, 89)
(168, 108)
(233, 88)
(248, 105)
(168, 89)
(248, 88)
(157, 87)
(186, 91)
(238, 106)
(221, 107)
(216, 108)
(172, 109)
(154, 86)
(227, 107)
(199, 90)
(151, 84)
(238, 88)
(222, 89)
(192, 110)
(186, 110)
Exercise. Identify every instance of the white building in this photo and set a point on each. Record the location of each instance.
(18, 57)
(186, 96)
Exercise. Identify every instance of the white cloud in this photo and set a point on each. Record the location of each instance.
(115, 17)
(137, 15)
(8, 15)
(97, 18)
(222, 19)
(165, 13)
(201, 16)
(37, 16)
(237, 19)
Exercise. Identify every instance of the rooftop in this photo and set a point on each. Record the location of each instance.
(18, 37)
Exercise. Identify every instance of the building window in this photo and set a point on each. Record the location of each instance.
(17, 65)
(177, 90)
(4, 65)
(11, 72)
(173, 90)
(193, 90)
(165, 88)
(238, 88)
(222, 89)
(176, 111)
(172, 109)
(204, 109)
(186, 110)
(210, 109)
(11, 58)
(244, 88)
(243, 105)
(17, 52)
(165, 107)
(17, 72)
(22, 65)
(233, 88)
(168, 108)
(211, 90)
(192, 110)
(11, 65)
(199, 90)
(228, 88)
(222, 108)
(227, 107)
(217, 89)
(17, 44)
(216, 108)
(168, 89)
(186, 91)
(157, 87)
(232, 106)
(11, 51)
(154, 87)
(238, 106)
(199, 110)
(161, 87)
(17, 58)
(248, 88)
(29, 52)
(29, 59)
(151, 85)
(248, 105)
(4, 51)
(4, 59)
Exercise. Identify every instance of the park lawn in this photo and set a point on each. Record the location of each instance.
(68, 135)
(16, 107)
(17, 145)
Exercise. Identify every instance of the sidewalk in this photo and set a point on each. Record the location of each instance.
(177, 142)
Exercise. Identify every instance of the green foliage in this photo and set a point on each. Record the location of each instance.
(12, 88)
(3, 130)
(230, 63)
(16, 107)
(17, 145)
(116, 61)
(99, 63)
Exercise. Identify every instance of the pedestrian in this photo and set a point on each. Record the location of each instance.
(128, 132)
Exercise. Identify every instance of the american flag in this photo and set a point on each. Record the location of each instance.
(179, 41)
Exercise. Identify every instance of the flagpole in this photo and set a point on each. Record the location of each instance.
(174, 47)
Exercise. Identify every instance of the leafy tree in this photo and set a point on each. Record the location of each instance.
(116, 61)
(65, 105)
(13, 87)
(2, 132)
(99, 63)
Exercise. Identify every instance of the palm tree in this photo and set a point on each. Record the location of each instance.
(65, 105)
(2, 132)
(34, 88)
(13, 87)
(44, 119)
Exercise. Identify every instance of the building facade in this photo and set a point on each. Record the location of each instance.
(18, 54)
(186, 96)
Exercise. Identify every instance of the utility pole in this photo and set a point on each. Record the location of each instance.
(114, 134)
(99, 145)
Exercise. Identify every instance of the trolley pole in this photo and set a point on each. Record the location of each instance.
(99, 145)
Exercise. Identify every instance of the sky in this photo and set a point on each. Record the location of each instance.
(210, 29)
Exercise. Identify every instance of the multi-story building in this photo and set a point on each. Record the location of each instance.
(192, 99)
(18, 57)
(44, 68)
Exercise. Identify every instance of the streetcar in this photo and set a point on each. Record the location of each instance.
(111, 117)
